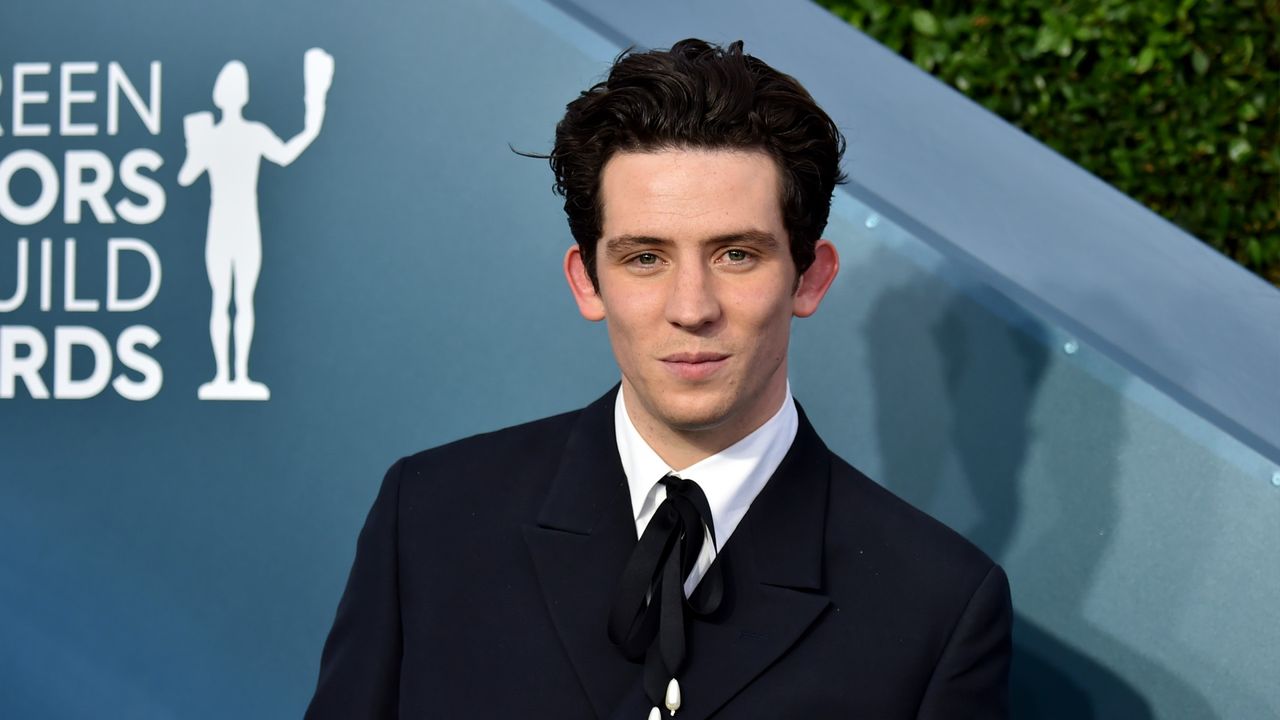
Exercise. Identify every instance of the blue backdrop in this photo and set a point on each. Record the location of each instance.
(172, 557)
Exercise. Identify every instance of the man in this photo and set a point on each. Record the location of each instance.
(686, 545)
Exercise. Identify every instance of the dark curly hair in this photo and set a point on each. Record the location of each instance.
(699, 95)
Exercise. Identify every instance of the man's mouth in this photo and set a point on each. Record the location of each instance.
(694, 365)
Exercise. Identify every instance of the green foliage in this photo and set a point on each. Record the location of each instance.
(1176, 103)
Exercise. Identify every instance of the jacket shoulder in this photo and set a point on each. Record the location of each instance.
(490, 460)
(869, 520)
(912, 583)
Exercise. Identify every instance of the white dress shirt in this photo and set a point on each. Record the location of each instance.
(731, 479)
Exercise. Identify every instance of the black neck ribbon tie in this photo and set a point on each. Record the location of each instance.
(648, 614)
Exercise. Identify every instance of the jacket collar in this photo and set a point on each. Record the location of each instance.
(773, 568)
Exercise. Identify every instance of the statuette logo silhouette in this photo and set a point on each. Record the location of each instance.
(231, 152)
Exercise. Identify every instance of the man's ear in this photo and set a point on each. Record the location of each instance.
(584, 292)
(815, 281)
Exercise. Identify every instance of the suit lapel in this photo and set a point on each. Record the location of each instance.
(772, 566)
(773, 573)
(582, 539)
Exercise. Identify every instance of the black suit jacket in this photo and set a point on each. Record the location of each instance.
(484, 574)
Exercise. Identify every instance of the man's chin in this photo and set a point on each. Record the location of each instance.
(693, 417)
(687, 409)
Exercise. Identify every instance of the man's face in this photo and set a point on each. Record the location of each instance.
(698, 287)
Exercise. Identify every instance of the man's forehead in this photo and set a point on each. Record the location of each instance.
(674, 192)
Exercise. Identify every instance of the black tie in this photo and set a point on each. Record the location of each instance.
(647, 617)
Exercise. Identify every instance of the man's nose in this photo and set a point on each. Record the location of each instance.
(692, 302)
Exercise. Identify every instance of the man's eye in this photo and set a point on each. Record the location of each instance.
(647, 259)
(736, 256)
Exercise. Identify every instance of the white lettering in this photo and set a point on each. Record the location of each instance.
(93, 191)
(118, 82)
(27, 160)
(27, 367)
(151, 191)
(130, 357)
(20, 292)
(114, 302)
(70, 302)
(68, 97)
(46, 274)
(65, 386)
(23, 97)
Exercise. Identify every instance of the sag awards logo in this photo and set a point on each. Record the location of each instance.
(228, 149)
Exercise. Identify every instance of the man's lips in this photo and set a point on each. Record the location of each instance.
(694, 357)
(694, 365)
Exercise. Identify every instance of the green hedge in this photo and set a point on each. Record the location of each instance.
(1176, 104)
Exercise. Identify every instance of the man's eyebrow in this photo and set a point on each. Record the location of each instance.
(622, 244)
(756, 238)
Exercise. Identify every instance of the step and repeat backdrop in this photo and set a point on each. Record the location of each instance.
(251, 253)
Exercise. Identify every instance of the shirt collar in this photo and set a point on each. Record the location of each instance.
(730, 479)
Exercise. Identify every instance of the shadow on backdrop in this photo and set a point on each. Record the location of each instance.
(966, 381)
